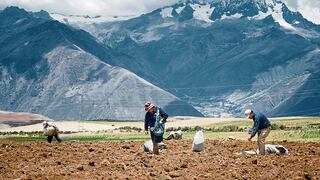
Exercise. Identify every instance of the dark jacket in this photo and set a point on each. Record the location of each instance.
(150, 118)
(260, 122)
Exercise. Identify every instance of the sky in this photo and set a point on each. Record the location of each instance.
(310, 9)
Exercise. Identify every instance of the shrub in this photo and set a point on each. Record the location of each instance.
(278, 127)
(275, 127)
(231, 128)
(282, 127)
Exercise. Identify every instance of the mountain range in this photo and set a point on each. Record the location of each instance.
(61, 72)
(196, 57)
(223, 56)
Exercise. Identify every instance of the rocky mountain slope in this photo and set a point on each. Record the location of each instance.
(50, 68)
(223, 56)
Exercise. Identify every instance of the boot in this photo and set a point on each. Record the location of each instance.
(155, 148)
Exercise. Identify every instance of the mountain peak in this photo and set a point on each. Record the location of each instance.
(211, 10)
(14, 11)
(260, 4)
(13, 15)
(42, 14)
(270, 2)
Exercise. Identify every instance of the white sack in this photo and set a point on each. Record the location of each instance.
(49, 131)
(148, 146)
(275, 149)
(198, 142)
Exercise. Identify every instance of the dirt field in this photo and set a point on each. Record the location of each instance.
(127, 160)
(20, 116)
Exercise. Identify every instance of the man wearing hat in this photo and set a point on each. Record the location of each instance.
(150, 122)
(261, 126)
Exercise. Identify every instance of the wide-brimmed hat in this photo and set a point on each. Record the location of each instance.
(148, 105)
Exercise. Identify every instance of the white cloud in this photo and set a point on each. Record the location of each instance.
(292, 3)
(308, 8)
(90, 7)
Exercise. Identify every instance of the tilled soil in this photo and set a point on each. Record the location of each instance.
(127, 160)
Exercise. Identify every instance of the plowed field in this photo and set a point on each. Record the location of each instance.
(127, 160)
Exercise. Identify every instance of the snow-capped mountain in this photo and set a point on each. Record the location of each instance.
(86, 19)
(204, 13)
(50, 68)
(225, 55)
(87, 22)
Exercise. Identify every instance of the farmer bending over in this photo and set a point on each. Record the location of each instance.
(261, 125)
(50, 130)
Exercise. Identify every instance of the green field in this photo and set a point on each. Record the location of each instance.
(298, 129)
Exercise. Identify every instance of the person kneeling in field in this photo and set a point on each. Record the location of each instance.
(50, 130)
(261, 126)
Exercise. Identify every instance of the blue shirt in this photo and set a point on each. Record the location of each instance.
(260, 122)
(150, 118)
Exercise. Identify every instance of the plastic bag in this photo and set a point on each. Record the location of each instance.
(198, 142)
(175, 135)
(275, 149)
(148, 146)
(178, 134)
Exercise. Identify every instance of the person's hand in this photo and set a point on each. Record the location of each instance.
(249, 139)
(163, 121)
(146, 132)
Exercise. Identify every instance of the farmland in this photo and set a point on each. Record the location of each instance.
(116, 152)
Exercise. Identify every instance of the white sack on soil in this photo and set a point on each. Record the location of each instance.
(49, 131)
(198, 142)
(275, 149)
(148, 146)
(175, 135)
(269, 149)
(178, 134)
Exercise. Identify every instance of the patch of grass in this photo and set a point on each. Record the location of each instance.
(297, 122)
(275, 135)
(311, 134)
(275, 126)
(24, 138)
(119, 136)
(105, 138)
(294, 135)
(317, 125)
(230, 128)
(297, 119)
(241, 123)
(94, 137)
(304, 129)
